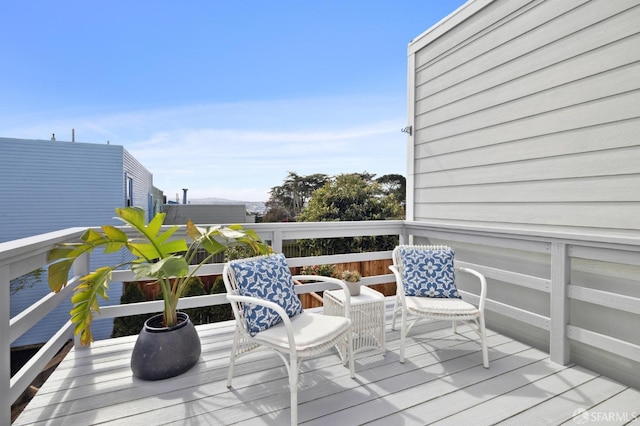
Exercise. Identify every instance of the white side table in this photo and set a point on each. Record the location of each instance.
(367, 316)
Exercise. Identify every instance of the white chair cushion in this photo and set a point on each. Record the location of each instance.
(310, 330)
(441, 306)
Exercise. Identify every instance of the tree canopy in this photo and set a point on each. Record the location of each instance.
(352, 196)
(287, 200)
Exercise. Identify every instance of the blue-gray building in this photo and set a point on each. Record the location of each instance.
(48, 185)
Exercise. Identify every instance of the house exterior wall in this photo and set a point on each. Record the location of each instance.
(51, 185)
(526, 113)
(525, 117)
(143, 191)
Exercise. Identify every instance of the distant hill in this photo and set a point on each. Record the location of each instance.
(251, 206)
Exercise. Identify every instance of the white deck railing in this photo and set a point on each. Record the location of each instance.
(558, 249)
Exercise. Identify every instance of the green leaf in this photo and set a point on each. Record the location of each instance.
(93, 237)
(156, 223)
(133, 216)
(194, 232)
(166, 234)
(59, 274)
(59, 252)
(85, 301)
(174, 266)
(155, 246)
(115, 239)
(150, 251)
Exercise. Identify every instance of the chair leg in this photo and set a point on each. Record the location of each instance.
(349, 353)
(294, 367)
(393, 316)
(483, 338)
(232, 359)
(403, 334)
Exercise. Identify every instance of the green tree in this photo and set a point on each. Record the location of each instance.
(394, 185)
(275, 213)
(289, 199)
(351, 197)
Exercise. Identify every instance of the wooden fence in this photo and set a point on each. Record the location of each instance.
(309, 300)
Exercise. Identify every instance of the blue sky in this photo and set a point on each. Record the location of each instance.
(221, 97)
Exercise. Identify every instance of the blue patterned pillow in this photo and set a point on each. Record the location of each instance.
(267, 278)
(428, 271)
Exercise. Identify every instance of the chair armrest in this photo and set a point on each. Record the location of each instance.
(483, 285)
(339, 283)
(271, 305)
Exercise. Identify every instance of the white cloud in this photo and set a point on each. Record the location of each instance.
(241, 150)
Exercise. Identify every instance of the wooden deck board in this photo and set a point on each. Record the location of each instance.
(442, 382)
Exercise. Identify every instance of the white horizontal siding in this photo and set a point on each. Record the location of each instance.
(604, 215)
(526, 113)
(519, 48)
(580, 190)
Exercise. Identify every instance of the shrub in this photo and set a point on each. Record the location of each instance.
(322, 270)
(127, 326)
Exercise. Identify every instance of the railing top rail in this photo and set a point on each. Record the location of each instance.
(36, 244)
(569, 235)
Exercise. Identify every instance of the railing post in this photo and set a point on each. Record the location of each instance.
(560, 279)
(81, 267)
(276, 243)
(404, 236)
(5, 347)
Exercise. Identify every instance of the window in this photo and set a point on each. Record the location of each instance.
(129, 191)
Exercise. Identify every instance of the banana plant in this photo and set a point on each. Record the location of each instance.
(155, 256)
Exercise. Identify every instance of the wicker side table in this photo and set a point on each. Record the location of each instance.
(367, 316)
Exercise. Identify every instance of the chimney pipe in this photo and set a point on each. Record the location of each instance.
(73, 135)
(184, 195)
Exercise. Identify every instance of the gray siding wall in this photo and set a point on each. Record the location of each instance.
(527, 113)
(526, 116)
(51, 185)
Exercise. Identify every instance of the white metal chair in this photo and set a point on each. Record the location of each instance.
(425, 288)
(269, 315)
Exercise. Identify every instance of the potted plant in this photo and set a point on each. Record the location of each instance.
(154, 255)
(352, 279)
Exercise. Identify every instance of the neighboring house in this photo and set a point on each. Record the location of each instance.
(525, 117)
(178, 214)
(51, 185)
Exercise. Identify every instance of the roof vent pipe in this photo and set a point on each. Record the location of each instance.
(184, 195)
(73, 135)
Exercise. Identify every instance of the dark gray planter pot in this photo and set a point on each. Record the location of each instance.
(162, 352)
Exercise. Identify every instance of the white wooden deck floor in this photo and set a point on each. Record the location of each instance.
(441, 382)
